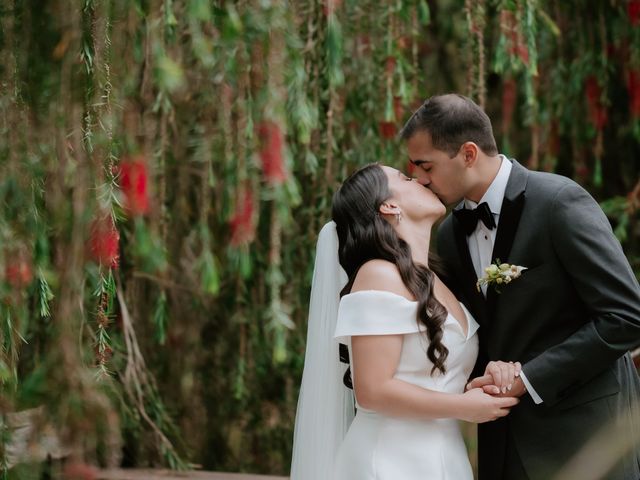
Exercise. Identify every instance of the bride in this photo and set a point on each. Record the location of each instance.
(412, 345)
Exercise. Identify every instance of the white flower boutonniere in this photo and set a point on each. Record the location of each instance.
(499, 274)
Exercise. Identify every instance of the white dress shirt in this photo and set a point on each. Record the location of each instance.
(482, 240)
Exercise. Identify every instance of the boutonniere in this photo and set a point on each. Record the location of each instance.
(498, 274)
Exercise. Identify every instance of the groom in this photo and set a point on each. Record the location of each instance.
(571, 318)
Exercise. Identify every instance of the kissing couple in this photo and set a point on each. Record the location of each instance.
(523, 324)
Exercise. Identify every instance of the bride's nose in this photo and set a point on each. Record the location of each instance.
(422, 179)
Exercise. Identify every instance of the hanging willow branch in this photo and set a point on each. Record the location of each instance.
(476, 21)
(142, 391)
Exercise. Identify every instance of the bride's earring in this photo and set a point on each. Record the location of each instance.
(398, 217)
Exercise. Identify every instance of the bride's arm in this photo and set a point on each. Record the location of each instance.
(375, 360)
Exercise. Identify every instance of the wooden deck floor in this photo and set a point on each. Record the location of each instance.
(155, 474)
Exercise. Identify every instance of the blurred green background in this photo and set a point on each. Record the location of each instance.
(165, 166)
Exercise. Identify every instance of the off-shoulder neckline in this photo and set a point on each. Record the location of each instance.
(384, 292)
(466, 312)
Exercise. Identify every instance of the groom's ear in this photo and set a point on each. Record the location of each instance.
(469, 152)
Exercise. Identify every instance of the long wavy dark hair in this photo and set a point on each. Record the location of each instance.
(364, 235)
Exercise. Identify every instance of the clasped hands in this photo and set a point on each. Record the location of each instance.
(500, 379)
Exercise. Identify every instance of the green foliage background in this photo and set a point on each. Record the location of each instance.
(207, 333)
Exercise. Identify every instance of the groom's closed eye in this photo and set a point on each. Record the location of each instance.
(423, 164)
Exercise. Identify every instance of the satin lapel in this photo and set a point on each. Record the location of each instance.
(469, 278)
(510, 213)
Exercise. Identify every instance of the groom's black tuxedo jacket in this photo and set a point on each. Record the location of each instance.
(570, 319)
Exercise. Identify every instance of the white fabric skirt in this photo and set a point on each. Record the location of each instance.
(383, 448)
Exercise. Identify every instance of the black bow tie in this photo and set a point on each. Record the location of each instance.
(469, 218)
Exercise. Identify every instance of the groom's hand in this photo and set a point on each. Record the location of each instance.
(487, 384)
(501, 379)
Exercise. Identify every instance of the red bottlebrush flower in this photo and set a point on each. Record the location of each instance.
(509, 95)
(104, 242)
(79, 471)
(633, 10)
(515, 43)
(523, 52)
(18, 272)
(633, 86)
(597, 112)
(509, 25)
(599, 117)
(387, 130)
(242, 224)
(397, 107)
(134, 184)
(390, 65)
(272, 152)
(592, 90)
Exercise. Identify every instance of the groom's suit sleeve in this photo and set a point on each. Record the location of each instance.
(599, 271)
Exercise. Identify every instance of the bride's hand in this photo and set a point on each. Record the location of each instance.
(480, 407)
(504, 374)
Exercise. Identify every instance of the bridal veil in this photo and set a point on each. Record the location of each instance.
(325, 405)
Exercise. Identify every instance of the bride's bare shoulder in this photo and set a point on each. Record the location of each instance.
(380, 275)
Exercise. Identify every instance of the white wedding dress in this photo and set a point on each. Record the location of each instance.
(380, 447)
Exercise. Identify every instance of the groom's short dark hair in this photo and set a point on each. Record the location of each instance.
(452, 120)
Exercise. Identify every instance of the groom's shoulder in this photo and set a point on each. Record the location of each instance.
(555, 194)
(547, 180)
(547, 185)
